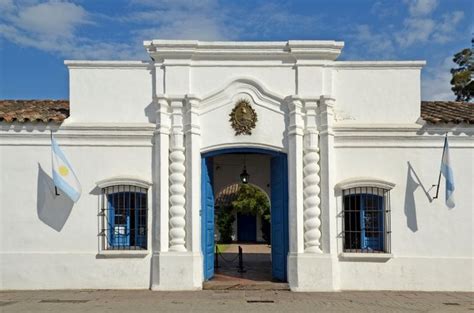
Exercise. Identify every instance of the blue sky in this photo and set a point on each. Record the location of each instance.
(36, 36)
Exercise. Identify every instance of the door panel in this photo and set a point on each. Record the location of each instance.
(207, 211)
(246, 228)
(279, 216)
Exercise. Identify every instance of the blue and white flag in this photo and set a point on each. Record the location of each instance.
(63, 176)
(447, 172)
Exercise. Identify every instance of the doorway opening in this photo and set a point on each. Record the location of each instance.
(244, 204)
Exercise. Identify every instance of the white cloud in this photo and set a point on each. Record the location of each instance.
(435, 81)
(421, 27)
(373, 44)
(208, 20)
(447, 26)
(421, 7)
(57, 26)
(384, 8)
(417, 30)
(53, 26)
(51, 19)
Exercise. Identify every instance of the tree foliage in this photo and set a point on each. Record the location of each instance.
(249, 200)
(463, 86)
(225, 219)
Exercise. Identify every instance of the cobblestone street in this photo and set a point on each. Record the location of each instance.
(136, 301)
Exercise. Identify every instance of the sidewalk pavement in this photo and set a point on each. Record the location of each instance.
(225, 301)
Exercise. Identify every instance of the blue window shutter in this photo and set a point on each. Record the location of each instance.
(372, 222)
(140, 220)
(119, 219)
(111, 220)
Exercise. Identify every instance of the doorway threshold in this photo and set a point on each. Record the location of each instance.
(244, 285)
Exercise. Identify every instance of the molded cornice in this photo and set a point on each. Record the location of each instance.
(107, 64)
(364, 182)
(291, 50)
(379, 64)
(124, 180)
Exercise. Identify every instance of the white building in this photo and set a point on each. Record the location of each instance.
(345, 150)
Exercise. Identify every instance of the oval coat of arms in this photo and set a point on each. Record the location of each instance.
(243, 118)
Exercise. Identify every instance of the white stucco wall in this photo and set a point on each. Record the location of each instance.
(393, 96)
(49, 242)
(432, 245)
(111, 92)
(112, 131)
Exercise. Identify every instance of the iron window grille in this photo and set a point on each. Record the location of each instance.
(123, 215)
(366, 220)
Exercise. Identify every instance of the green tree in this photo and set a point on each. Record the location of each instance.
(225, 219)
(251, 200)
(248, 200)
(463, 86)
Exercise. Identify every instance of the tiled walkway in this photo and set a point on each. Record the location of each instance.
(247, 301)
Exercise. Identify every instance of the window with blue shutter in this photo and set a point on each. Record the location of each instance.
(366, 220)
(125, 217)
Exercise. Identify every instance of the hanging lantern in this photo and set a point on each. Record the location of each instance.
(244, 176)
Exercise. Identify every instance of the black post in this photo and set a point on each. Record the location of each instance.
(55, 188)
(241, 261)
(216, 258)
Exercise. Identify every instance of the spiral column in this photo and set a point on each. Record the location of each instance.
(177, 180)
(311, 180)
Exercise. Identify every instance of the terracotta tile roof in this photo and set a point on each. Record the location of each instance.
(436, 112)
(227, 195)
(433, 112)
(34, 110)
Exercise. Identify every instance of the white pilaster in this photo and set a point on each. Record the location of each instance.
(311, 179)
(180, 266)
(177, 179)
(328, 170)
(192, 131)
(316, 271)
(160, 239)
(295, 175)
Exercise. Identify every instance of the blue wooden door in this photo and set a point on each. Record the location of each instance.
(207, 211)
(279, 216)
(372, 222)
(246, 227)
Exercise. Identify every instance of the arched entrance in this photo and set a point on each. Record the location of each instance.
(279, 209)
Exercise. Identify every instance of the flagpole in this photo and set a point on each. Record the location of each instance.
(439, 177)
(55, 188)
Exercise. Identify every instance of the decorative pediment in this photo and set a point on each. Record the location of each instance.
(243, 88)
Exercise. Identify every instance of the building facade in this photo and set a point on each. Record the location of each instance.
(348, 156)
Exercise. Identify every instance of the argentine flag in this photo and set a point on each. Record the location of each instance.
(63, 175)
(447, 172)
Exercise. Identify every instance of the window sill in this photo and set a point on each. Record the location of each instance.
(124, 254)
(374, 257)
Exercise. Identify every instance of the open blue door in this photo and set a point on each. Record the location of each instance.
(279, 216)
(207, 207)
